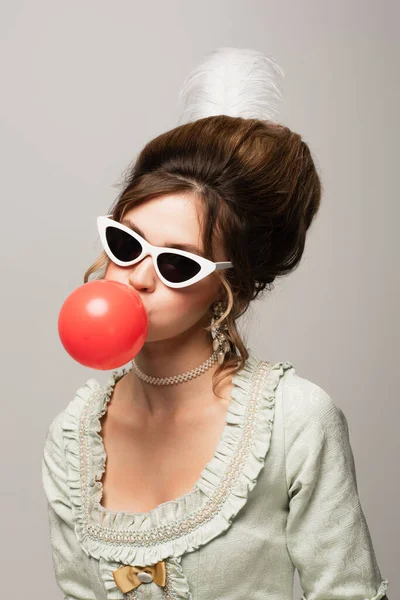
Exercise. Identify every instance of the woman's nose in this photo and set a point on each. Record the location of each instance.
(143, 274)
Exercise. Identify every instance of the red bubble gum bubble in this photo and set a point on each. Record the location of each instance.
(103, 324)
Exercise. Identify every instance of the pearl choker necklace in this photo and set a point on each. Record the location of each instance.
(176, 378)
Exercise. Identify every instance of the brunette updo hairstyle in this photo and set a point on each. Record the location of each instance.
(260, 191)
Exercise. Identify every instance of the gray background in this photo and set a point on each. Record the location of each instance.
(84, 84)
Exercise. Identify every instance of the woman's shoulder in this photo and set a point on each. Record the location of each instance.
(82, 396)
(306, 403)
(302, 399)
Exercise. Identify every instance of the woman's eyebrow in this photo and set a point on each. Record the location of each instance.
(187, 247)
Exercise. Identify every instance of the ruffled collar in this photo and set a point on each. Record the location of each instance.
(180, 525)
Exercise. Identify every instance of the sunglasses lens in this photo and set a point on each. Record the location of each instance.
(176, 268)
(124, 246)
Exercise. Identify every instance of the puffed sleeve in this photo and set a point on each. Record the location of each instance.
(71, 576)
(327, 535)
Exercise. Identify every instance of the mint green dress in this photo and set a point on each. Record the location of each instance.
(279, 494)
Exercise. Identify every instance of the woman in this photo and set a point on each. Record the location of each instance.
(199, 470)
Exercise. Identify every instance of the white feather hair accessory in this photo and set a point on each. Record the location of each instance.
(235, 82)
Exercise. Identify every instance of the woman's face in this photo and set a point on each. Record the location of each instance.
(169, 219)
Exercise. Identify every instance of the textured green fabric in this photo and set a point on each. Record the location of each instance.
(279, 493)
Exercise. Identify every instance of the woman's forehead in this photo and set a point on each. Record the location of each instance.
(166, 220)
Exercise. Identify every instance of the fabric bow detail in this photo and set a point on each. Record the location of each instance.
(129, 577)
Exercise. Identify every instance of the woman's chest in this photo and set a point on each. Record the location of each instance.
(147, 466)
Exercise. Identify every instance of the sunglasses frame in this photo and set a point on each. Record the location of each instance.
(206, 266)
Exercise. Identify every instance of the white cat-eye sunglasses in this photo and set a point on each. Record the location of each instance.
(176, 268)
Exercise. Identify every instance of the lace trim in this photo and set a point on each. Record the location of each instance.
(185, 525)
(213, 502)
